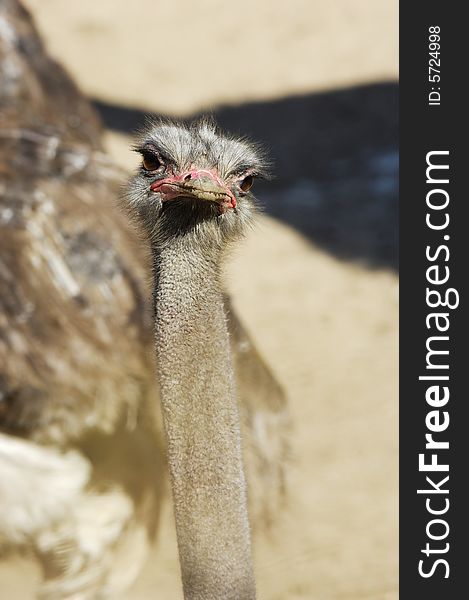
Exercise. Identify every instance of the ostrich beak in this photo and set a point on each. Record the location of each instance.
(195, 185)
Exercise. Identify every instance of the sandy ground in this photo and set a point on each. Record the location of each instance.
(327, 326)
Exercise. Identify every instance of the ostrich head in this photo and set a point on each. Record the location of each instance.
(194, 181)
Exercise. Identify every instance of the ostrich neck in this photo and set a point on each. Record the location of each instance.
(202, 424)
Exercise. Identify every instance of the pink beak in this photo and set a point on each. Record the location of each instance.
(199, 184)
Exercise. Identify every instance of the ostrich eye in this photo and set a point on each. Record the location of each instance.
(151, 162)
(246, 184)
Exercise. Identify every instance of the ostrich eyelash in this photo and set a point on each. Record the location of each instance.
(244, 172)
(154, 152)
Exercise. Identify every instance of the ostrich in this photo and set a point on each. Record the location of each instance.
(192, 195)
(82, 455)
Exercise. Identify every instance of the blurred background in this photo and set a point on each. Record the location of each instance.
(316, 280)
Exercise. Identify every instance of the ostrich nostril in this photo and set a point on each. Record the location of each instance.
(188, 177)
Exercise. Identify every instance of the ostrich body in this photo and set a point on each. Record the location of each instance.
(82, 458)
(192, 195)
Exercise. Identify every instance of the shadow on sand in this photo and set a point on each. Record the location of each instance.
(336, 164)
